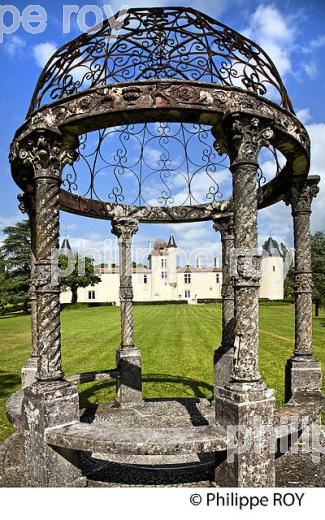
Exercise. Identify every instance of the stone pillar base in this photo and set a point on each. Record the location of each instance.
(248, 418)
(129, 382)
(223, 361)
(302, 374)
(28, 372)
(47, 405)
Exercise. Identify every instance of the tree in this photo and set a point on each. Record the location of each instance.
(83, 274)
(4, 285)
(16, 263)
(288, 284)
(318, 268)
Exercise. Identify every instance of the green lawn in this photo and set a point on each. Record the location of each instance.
(176, 342)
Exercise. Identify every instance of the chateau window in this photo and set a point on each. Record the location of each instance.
(164, 263)
(217, 278)
(187, 294)
(91, 295)
(187, 278)
(145, 278)
(164, 275)
(274, 268)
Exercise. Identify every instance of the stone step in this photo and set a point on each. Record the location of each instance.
(138, 441)
(158, 461)
(88, 377)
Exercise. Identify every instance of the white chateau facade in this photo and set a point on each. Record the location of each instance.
(164, 280)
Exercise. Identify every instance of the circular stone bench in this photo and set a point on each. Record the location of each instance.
(138, 441)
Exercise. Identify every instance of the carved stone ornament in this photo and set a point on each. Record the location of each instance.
(45, 151)
(248, 268)
(225, 226)
(124, 228)
(247, 135)
(300, 197)
(26, 202)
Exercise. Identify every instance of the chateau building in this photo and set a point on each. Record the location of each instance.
(164, 280)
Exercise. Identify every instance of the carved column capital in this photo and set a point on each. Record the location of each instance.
(45, 151)
(245, 135)
(124, 227)
(300, 196)
(224, 224)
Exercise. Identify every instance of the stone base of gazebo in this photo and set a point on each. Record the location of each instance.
(28, 372)
(302, 375)
(99, 469)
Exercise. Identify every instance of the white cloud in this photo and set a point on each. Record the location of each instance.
(318, 42)
(14, 45)
(9, 221)
(311, 69)
(42, 52)
(276, 221)
(274, 33)
(304, 115)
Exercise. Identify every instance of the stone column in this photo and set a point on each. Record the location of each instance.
(303, 371)
(245, 404)
(28, 372)
(224, 355)
(128, 358)
(50, 401)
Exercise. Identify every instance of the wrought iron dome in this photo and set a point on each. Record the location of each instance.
(146, 106)
(160, 43)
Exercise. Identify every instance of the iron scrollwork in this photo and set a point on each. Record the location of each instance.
(152, 164)
(160, 43)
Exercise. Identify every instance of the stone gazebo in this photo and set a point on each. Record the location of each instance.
(167, 73)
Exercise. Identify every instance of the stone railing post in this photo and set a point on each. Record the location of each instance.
(29, 370)
(129, 385)
(245, 403)
(50, 401)
(224, 355)
(303, 371)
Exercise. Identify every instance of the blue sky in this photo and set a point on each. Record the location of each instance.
(292, 32)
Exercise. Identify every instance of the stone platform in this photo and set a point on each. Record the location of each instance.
(175, 470)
